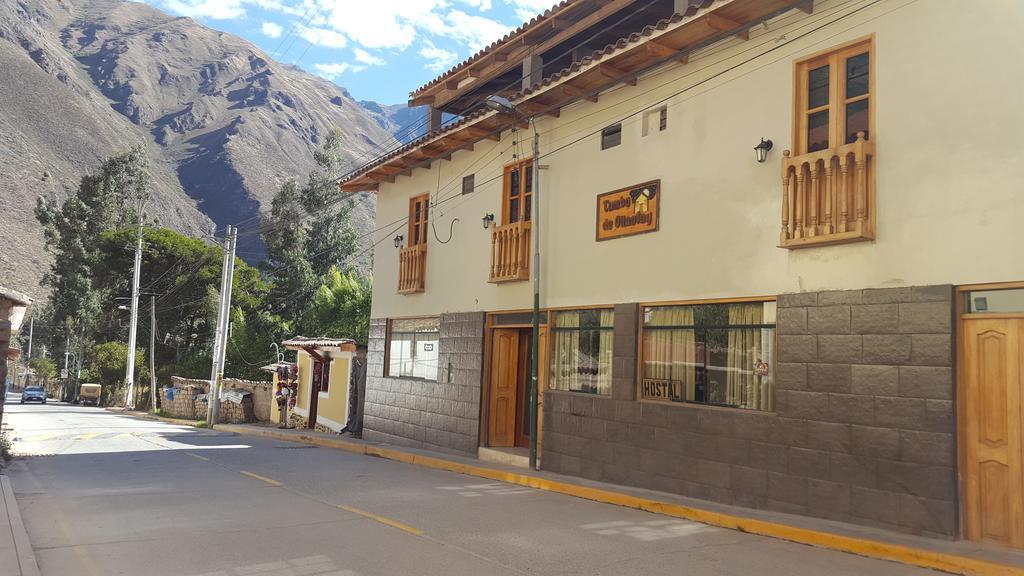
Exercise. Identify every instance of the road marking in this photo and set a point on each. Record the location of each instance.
(88, 436)
(649, 531)
(197, 456)
(263, 478)
(382, 520)
(491, 489)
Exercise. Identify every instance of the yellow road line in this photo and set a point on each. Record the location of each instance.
(42, 437)
(382, 520)
(197, 456)
(88, 436)
(947, 562)
(263, 478)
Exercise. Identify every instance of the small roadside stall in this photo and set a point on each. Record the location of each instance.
(324, 367)
(285, 377)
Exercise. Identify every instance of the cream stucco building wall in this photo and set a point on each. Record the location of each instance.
(950, 168)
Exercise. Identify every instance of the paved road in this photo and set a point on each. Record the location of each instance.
(104, 494)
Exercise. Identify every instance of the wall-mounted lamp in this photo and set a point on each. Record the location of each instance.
(762, 150)
(488, 220)
(398, 241)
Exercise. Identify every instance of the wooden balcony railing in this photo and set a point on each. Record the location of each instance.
(828, 196)
(412, 269)
(510, 252)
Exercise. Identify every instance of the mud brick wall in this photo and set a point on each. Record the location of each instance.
(442, 414)
(863, 430)
(255, 408)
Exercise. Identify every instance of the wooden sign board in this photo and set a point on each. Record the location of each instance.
(628, 211)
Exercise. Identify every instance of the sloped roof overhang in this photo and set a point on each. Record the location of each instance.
(671, 39)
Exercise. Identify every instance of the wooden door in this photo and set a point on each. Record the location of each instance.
(523, 390)
(504, 381)
(993, 368)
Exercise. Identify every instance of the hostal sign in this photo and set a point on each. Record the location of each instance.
(629, 211)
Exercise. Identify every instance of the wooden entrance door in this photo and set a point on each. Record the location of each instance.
(504, 384)
(993, 378)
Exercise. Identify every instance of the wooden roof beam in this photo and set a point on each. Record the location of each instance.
(477, 132)
(532, 108)
(722, 24)
(660, 50)
(806, 6)
(613, 73)
(575, 92)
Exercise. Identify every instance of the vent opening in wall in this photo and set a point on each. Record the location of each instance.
(611, 136)
(468, 182)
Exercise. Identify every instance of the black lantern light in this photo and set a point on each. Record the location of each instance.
(488, 220)
(762, 150)
(398, 241)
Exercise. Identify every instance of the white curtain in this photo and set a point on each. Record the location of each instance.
(671, 354)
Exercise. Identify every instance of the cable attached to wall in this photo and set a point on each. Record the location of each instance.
(451, 227)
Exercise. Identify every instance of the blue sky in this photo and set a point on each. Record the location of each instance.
(378, 49)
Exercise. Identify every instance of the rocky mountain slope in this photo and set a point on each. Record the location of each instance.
(224, 124)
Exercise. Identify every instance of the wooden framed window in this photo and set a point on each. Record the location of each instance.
(517, 195)
(419, 212)
(833, 97)
(321, 376)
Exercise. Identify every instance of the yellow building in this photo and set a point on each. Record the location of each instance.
(780, 256)
(322, 385)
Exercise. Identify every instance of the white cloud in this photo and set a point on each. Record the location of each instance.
(475, 31)
(526, 10)
(439, 59)
(272, 30)
(332, 71)
(215, 9)
(323, 37)
(367, 58)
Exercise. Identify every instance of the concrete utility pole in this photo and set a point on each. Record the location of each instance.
(64, 373)
(129, 377)
(223, 325)
(152, 353)
(535, 353)
(28, 359)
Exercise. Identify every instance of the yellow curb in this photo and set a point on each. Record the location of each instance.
(953, 563)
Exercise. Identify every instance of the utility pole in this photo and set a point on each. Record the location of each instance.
(223, 327)
(28, 359)
(64, 373)
(129, 378)
(152, 353)
(535, 353)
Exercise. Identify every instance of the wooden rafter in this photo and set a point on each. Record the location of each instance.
(806, 6)
(577, 93)
(723, 24)
(478, 132)
(613, 73)
(660, 50)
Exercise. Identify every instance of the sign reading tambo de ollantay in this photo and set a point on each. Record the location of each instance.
(628, 211)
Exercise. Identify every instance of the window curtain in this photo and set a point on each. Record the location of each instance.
(567, 346)
(746, 349)
(583, 353)
(670, 354)
(604, 365)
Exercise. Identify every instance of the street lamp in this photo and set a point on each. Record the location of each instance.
(503, 105)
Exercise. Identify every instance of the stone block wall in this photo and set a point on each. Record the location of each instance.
(863, 430)
(254, 408)
(442, 414)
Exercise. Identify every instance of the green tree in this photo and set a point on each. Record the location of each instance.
(340, 307)
(105, 364)
(44, 368)
(287, 263)
(104, 200)
(330, 240)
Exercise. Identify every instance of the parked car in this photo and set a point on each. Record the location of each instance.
(89, 394)
(33, 394)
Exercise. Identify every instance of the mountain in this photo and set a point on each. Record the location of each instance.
(407, 124)
(224, 125)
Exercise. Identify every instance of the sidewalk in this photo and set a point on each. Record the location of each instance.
(958, 557)
(16, 555)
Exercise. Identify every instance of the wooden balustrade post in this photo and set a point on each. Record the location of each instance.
(784, 235)
(798, 224)
(828, 196)
(494, 248)
(862, 183)
(814, 198)
(844, 194)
